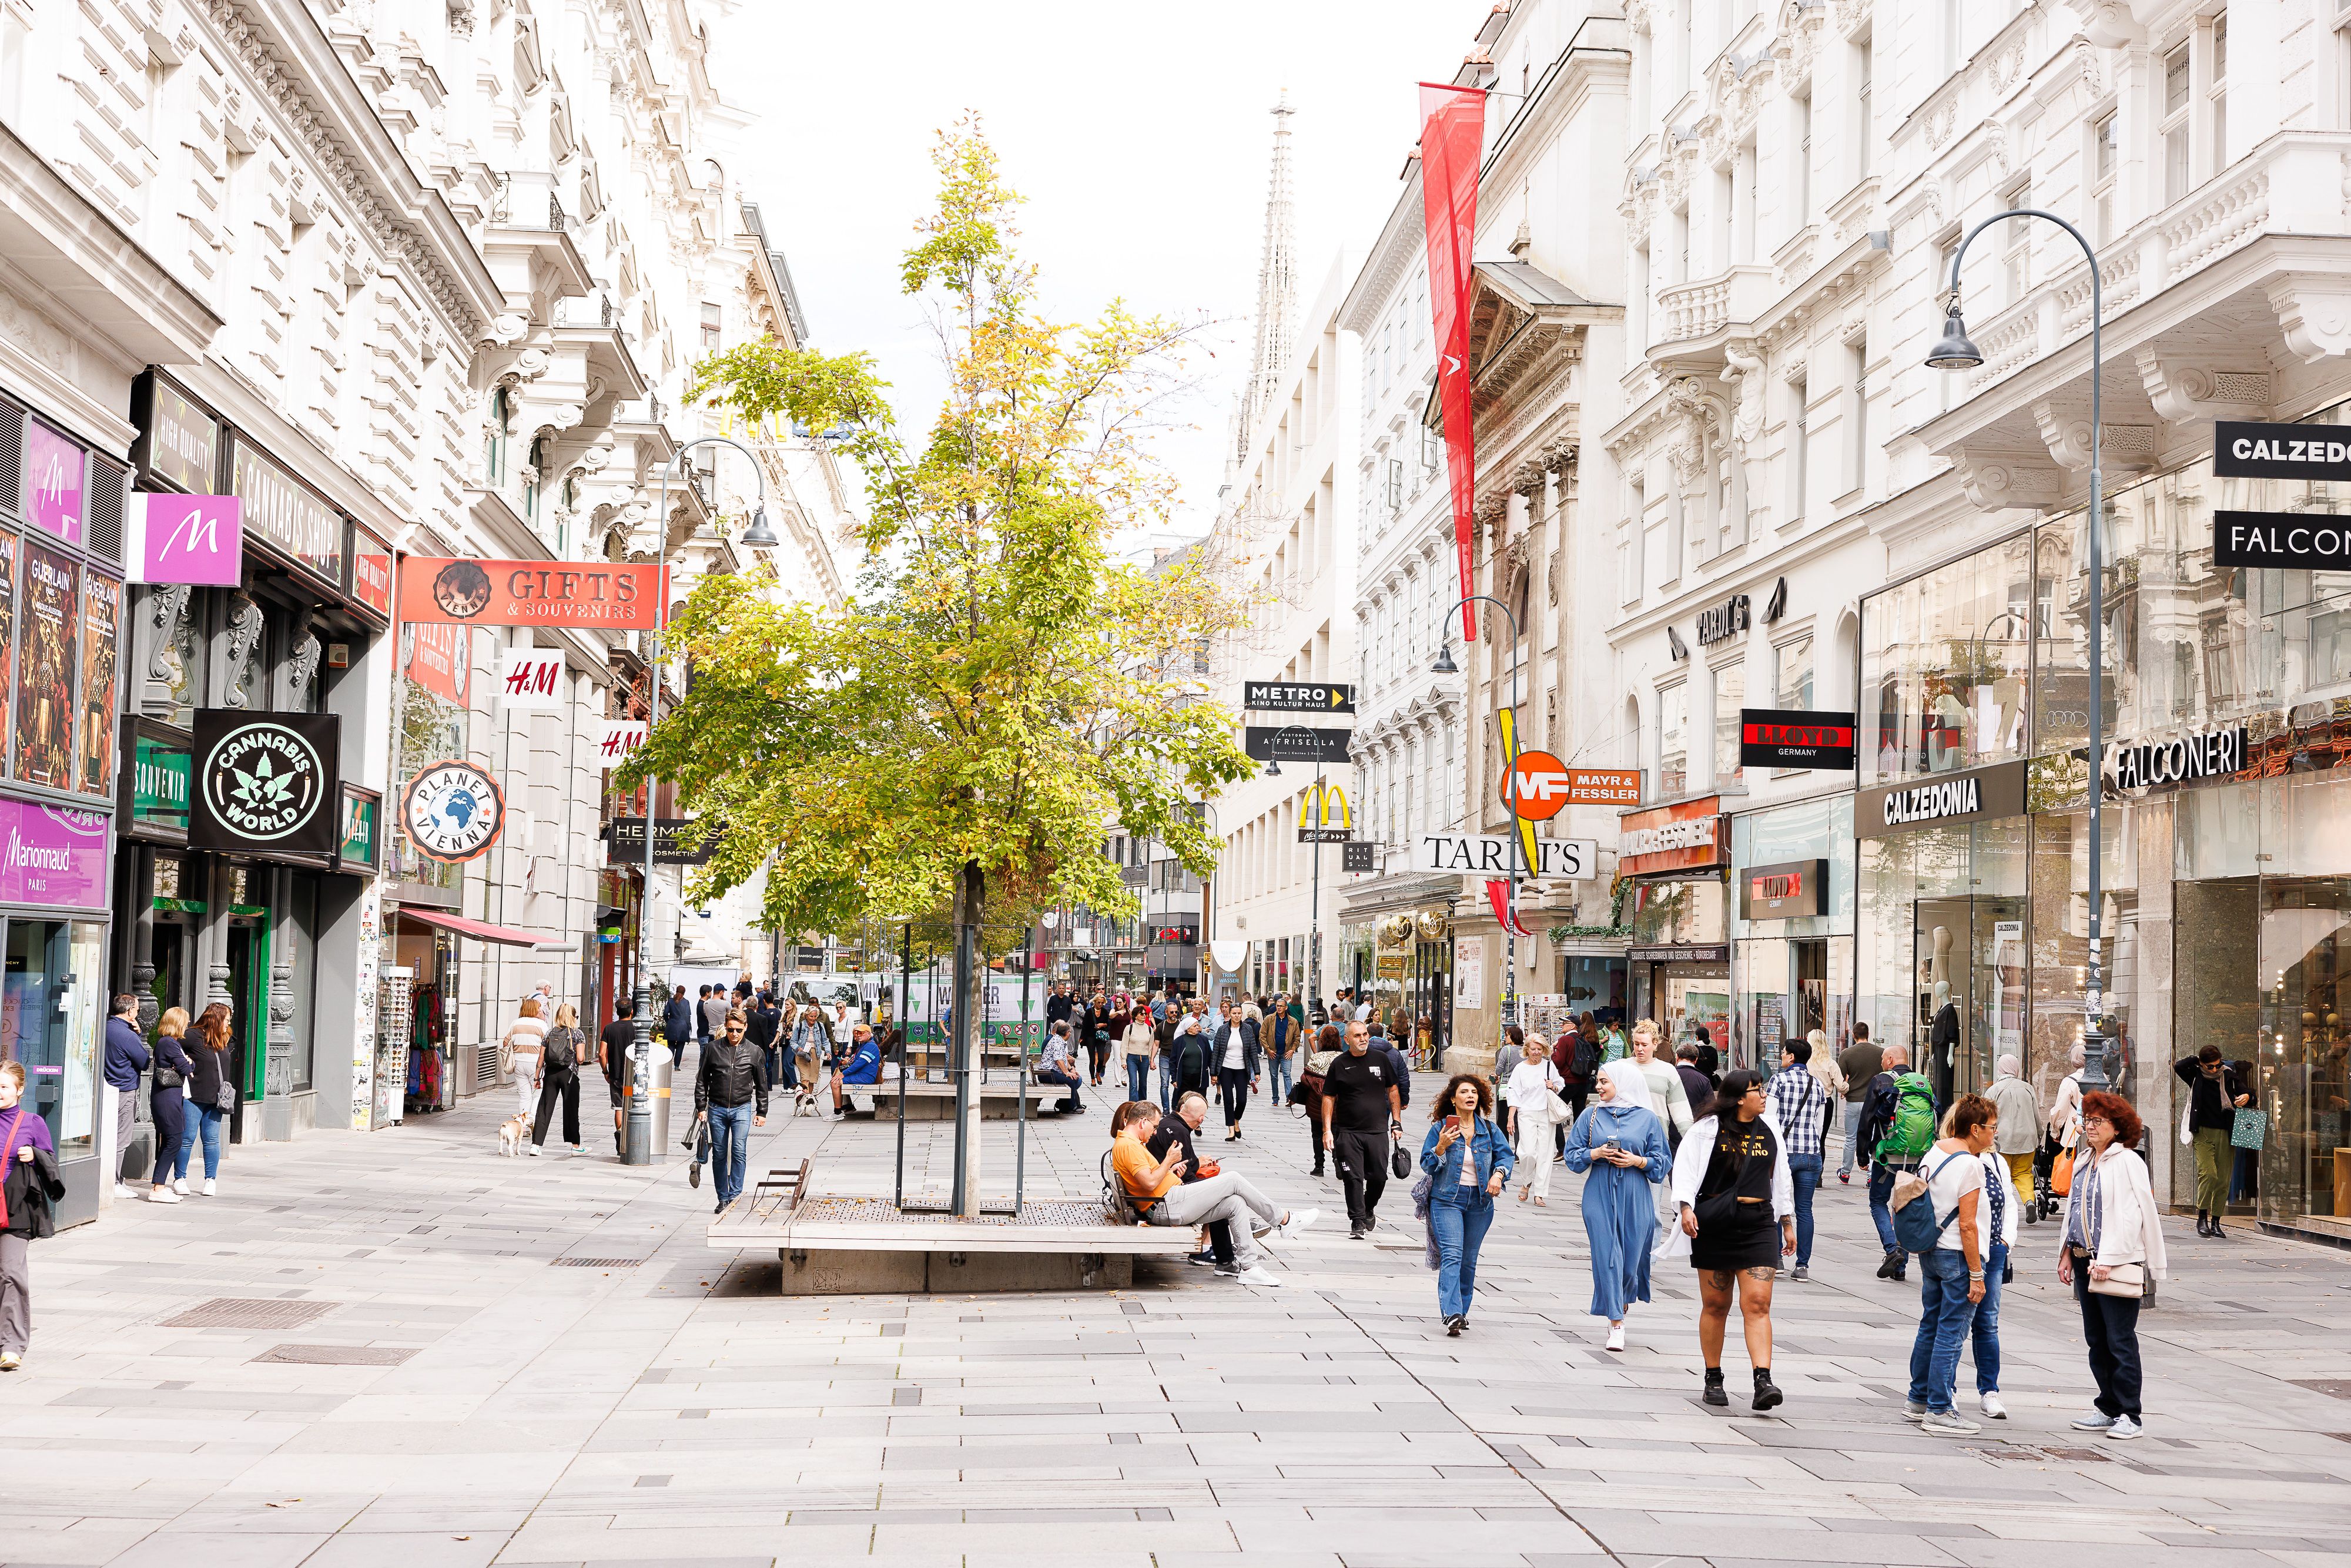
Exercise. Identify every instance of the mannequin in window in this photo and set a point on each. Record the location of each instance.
(1942, 1043)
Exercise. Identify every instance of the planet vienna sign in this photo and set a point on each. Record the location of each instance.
(266, 781)
(453, 811)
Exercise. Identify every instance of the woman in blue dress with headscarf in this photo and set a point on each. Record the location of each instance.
(1619, 1146)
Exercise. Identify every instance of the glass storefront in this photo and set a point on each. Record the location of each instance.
(1792, 927)
(1679, 962)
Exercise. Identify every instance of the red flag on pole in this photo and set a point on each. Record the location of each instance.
(1452, 138)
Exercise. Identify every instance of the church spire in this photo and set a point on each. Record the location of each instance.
(1277, 282)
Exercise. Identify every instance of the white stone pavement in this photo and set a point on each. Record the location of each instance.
(574, 1378)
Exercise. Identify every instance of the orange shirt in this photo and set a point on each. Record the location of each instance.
(1134, 1165)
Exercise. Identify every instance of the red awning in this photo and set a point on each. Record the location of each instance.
(481, 930)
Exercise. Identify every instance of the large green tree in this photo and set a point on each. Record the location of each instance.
(1002, 690)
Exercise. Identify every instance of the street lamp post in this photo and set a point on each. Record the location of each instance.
(1315, 906)
(638, 1149)
(1444, 666)
(1210, 897)
(1956, 352)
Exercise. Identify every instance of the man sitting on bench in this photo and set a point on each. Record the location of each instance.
(1059, 1066)
(864, 1067)
(1155, 1189)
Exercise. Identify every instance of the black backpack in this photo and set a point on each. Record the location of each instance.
(562, 1047)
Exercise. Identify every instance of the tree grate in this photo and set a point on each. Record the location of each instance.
(336, 1355)
(242, 1313)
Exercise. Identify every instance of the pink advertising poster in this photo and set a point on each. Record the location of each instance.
(52, 855)
(53, 481)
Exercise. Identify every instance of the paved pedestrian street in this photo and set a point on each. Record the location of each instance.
(399, 1349)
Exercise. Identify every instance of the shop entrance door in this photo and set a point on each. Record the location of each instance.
(1967, 1007)
(248, 978)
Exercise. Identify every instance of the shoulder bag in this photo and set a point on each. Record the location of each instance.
(2248, 1129)
(2122, 1279)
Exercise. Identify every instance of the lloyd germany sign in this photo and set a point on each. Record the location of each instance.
(1783, 738)
(266, 781)
(1489, 855)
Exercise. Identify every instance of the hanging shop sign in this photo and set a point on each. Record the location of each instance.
(627, 837)
(1795, 890)
(1323, 817)
(1360, 857)
(2242, 450)
(1978, 796)
(2207, 753)
(266, 781)
(1727, 619)
(362, 815)
(196, 539)
(468, 592)
(54, 854)
(54, 468)
(2297, 542)
(617, 738)
(1683, 837)
(453, 811)
(285, 513)
(1794, 737)
(435, 658)
(372, 571)
(1489, 855)
(1603, 786)
(1282, 696)
(159, 785)
(183, 438)
(1538, 786)
(1294, 743)
(531, 678)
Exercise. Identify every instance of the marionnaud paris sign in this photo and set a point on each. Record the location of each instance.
(1489, 855)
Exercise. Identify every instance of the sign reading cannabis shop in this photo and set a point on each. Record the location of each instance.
(266, 781)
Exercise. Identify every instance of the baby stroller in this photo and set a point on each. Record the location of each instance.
(2046, 1200)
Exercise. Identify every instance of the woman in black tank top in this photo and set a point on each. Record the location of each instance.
(1737, 1228)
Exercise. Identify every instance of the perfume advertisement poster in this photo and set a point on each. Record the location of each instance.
(9, 549)
(50, 611)
(101, 617)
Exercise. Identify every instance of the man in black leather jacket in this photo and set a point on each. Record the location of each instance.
(731, 1087)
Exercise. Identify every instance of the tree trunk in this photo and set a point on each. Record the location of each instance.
(963, 1047)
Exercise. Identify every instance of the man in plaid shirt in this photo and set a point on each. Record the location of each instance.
(1801, 1108)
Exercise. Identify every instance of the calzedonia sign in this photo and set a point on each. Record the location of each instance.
(265, 781)
(1979, 795)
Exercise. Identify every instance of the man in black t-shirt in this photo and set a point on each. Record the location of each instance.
(612, 1048)
(1360, 1110)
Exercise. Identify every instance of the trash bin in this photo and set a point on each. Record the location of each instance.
(662, 1073)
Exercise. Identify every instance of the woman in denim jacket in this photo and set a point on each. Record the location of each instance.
(1468, 1161)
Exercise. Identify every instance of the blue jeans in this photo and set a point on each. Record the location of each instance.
(1944, 1313)
(1068, 1081)
(1278, 1069)
(1459, 1229)
(1984, 1330)
(207, 1119)
(1138, 1078)
(1881, 1188)
(1805, 1170)
(1166, 1085)
(1853, 1109)
(730, 1148)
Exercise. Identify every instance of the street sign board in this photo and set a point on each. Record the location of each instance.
(1294, 743)
(1538, 786)
(1299, 697)
(1326, 835)
(1361, 857)
(1489, 855)
(1792, 737)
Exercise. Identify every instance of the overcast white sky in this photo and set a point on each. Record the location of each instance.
(1138, 133)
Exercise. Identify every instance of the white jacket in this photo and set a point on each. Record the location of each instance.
(2130, 1229)
(1696, 1151)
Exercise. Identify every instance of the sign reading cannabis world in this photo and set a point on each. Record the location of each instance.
(266, 781)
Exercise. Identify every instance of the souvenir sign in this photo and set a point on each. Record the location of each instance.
(266, 781)
(465, 591)
(453, 811)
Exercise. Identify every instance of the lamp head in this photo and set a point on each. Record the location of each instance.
(1273, 769)
(1955, 353)
(760, 536)
(1445, 664)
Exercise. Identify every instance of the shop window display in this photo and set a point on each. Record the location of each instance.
(1945, 664)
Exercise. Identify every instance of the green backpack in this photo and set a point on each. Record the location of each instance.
(1911, 1133)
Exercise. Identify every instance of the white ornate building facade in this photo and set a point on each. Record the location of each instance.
(416, 277)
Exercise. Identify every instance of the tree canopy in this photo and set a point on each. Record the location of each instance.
(1001, 691)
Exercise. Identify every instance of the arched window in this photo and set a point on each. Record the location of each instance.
(501, 422)
(535, 486)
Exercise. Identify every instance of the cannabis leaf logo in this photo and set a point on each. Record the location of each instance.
(263, 788)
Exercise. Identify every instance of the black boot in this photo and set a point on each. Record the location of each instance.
(1767, 1393)
(2216, 1233)
(1715, 1393)
(1892, 1267)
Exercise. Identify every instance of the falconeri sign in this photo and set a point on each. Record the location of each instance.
(2212, 754)
(266, 781)
(453, 811)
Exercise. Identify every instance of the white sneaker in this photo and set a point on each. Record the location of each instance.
(534, 1151)
(1257, 1275)
(1295, 1222)
(161, 1195)
(180, 1185)
(1617, 1337)
(1947, 1424)
(125, 1189)
(211, 1186)
(2124, 1427)
(2093, 1420)
(1993, 1409)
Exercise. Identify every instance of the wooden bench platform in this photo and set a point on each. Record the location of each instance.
(848, 1245)
(999, 1098)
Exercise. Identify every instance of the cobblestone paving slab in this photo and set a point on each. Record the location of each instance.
(396, 1349)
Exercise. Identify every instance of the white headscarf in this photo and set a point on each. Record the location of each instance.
(1631, 1087)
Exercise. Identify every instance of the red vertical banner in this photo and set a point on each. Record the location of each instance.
(1452, 139)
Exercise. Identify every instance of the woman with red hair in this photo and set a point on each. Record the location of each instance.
(2112, 1248)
